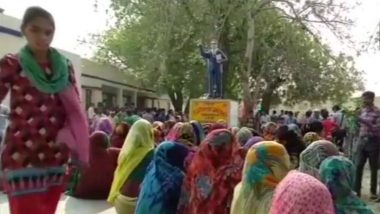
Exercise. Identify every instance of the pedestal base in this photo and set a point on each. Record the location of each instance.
(214, 110)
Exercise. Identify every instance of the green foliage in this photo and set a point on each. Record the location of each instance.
(156, 42)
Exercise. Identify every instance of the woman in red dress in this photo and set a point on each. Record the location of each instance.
(46, 120)
(329, 125)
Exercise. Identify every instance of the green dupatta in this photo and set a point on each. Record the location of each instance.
(60, 76)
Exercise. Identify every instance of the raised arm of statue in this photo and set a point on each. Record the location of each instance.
(203, 53)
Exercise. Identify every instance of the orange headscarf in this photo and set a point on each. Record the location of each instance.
(212, 175)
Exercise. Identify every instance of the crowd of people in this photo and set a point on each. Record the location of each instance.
(186, 167)
(116, 114)
(153, 162)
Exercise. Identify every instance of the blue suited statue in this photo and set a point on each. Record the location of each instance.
(215, 58)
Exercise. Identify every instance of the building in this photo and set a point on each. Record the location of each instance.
(100, 83)
(107, 84)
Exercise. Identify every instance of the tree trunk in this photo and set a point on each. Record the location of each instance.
(225, 45)
(268, 93)
(245, 73)
(176, 97)
(187, 107)
(267, 99)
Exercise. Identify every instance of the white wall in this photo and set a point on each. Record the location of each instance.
(12, 44)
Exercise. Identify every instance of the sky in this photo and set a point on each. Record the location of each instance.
(76, 19)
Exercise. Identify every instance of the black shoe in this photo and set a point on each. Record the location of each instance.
(377, 200)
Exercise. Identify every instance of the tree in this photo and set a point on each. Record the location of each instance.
(155, 44)
(302, 15)
(275, 51)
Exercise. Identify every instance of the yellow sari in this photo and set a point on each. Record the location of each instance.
(266, 164)
(137, 145)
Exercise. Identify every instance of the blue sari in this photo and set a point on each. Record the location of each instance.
(161, 187)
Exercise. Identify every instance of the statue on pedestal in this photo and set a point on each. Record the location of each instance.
(215, 58)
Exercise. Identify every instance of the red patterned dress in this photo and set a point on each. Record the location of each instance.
(33, 163)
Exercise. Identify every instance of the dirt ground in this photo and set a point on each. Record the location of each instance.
(366, 191)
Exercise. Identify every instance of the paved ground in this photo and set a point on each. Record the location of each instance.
(70, 205)
(366, 193)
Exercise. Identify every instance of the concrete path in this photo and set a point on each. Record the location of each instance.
(69, 205)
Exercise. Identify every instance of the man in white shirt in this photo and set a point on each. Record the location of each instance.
(337, 115)
(91, 112)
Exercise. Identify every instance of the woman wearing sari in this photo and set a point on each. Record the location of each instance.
(212, 175)
(87, 183)
(243, 135)
(162, 184)
(47, 122)
(158, 130)
(312, 157)
(198, 132)
(337, 172)
(135, 156)
(119, 134)
(105, 125)
(182, 133)
(293, 144)
(300, 193)
(310, 137)
(269, 131)
(266, 164)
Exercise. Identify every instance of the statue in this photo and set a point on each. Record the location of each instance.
(215, 58)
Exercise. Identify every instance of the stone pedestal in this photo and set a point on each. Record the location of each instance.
(214, 110)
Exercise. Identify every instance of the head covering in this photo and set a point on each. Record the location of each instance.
(312, 157)
(310, 137)
(119, 134)
(243, 135)
(212, 175)
(99, 143)
(300, 193)
(269, 131)
(159, 135)
(337, 172)
(252, 141)
(169, 125)
(105, 125)
(216, 126)
(162, 184)
(158, 124)
(130, 120)
(198, 131)
(137, 145)
(182, 133)
(89, 185)
(59, 79)
(266, 164)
